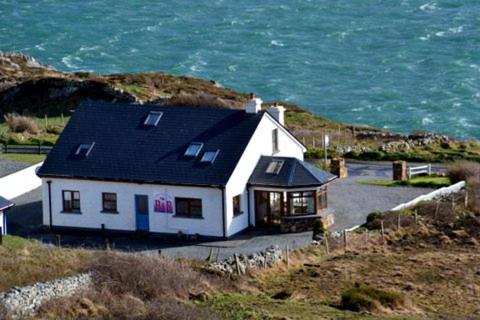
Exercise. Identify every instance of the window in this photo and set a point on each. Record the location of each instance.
(322, 202)
(275, 141)
(301, 203)
(153, 118)
(236, 205)
(188, 207)
(109, 202)
(209, 156)
(71, 201)
(274, 167)
(193, 149)
(84, 149)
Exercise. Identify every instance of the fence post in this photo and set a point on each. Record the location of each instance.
(313, 142)
(415, 217)
(437, 207)
(429, 169)
(366, 236)
(6, 147)
(382, 228)
(59, 240)
(1, 236)
(399, 224)
(345, 241)
(237, 263)
(46, 122)
(327, 249)
(287, 258)
(39, 147)
(466, 198)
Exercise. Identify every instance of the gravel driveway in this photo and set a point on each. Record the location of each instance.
(351, 201)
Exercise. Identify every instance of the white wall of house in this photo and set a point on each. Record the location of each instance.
(91, 207)
(260, 145)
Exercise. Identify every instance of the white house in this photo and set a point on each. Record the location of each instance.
(4, 206)
(165, 170)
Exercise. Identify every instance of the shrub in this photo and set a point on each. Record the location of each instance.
(146, 276)
(315, 153)
(106, 305)
(463, 170)
(363, 298)
(318, 228)
(372, 221)
(21, 124)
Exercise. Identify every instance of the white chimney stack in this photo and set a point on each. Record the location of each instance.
(278, 112)
(253, 104)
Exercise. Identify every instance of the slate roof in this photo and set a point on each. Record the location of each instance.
(127, 150)
(294, 174)
(5, 204)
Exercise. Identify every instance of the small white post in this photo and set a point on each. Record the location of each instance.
(429, 169)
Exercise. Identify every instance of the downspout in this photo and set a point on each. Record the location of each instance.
(223, 213)
(49, 183)
(248, 206)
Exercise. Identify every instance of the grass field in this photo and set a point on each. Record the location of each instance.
(24, 262)
(24, 158)
(420, 182)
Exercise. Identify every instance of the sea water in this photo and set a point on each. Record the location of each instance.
(398, 64)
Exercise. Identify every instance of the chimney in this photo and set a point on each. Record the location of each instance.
(278, 112)
(253, 104)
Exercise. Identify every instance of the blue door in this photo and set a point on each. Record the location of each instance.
(141, 212)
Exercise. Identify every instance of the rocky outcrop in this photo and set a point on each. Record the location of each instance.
(23, 302)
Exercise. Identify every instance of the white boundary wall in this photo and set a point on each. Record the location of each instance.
(445, 191)
(20, 182)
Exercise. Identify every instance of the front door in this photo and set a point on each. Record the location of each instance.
(268, 208)
(141, 212)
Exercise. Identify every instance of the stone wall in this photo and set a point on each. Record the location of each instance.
(23, 302)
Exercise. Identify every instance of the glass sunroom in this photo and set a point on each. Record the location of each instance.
(289, 193)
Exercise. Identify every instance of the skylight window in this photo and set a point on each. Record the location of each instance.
(193, 149)
(84, 149)
(274, 167)
(209, 156)
(153, 118)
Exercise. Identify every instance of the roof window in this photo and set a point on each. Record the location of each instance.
(193, 149)
(275, 166)
(210, 156)
(153, 118)
(84, 149)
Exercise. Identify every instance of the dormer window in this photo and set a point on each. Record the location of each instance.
(193, 149)
(84, 149)
(210, 156)
(275, 166)
(153, 118)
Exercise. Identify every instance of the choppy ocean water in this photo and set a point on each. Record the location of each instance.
(402, 64)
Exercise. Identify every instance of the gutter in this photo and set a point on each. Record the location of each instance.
(49, 183)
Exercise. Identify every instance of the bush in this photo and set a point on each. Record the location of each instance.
(106, 305)
(315, 153)
(147, 277)
(21, 124)
(363, 298)
(372, 221)
(463, 170)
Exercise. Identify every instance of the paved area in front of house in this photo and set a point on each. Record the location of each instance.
(352, 202)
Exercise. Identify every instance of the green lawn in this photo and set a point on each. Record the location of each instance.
(24, 158)
(421, 181)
